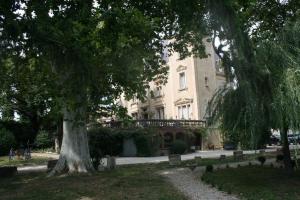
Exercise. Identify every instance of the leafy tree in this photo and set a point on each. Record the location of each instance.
(97, 50)
(27, 90)
(256, 69)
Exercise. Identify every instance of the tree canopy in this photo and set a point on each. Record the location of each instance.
(261, 65)
(94, 51)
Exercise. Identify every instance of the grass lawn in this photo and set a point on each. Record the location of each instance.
(254, 182)
(4, 161)
(127, 182)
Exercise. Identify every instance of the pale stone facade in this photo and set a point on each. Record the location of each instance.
(190, 85)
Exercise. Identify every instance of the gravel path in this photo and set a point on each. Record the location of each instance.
(185, 181)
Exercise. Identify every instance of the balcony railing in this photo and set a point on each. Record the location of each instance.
(155, 123)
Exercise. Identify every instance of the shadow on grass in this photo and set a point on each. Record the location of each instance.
(255, 182)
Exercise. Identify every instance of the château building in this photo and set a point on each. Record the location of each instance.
(191, 83)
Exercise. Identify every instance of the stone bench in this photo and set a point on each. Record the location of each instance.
(262, 151)
(111, 162)
(238, 155)
(174, 159)
(222, 157)
(8, 171)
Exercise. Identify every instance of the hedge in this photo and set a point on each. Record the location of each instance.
(106, 141)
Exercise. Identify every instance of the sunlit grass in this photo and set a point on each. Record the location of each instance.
(4, 161)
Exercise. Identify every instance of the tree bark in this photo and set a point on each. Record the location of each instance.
(74, 155)
(59, 135)
(286, 150)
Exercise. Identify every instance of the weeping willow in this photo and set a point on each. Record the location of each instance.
(264, 77)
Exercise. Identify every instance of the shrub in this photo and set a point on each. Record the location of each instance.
(103, 141)
(178, 147)
(279, 158)
(143, 145)
(147, 142)
(7, 141)
(107, 141)
(209, 168)
(261, 159)
(43, 140)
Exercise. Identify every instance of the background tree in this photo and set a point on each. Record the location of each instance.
(27, 91)
(254, 77)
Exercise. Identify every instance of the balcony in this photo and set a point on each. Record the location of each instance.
(161, 123)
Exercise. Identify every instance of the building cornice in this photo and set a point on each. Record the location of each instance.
(183, 101)
(181, 68)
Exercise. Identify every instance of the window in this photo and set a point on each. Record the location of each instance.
(134, 115)
(145, 113)
(184, 112)
(179, 112)
(160, 113)
(182, 81)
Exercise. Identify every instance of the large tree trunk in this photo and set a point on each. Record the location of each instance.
(286, 150)
(74, 155)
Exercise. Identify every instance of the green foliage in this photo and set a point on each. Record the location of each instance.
(263, 72)
(44, 140)
(102, 142)
(85, 47)
(107, 141)
(201, 131)
(7, 141)
(209, 168)
(178, 147)
(23, 132)
(147, 144)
